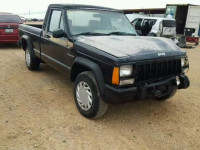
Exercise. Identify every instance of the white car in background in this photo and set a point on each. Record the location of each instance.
(155, 26)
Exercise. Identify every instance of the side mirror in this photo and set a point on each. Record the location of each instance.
(58, 33)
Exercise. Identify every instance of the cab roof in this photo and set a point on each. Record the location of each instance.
(80, 6)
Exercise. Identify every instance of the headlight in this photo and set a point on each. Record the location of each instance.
(126, 70)
(123, 75)
(184, 62)
(127, 82)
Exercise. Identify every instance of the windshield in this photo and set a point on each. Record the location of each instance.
(10, 18)
(99, 22)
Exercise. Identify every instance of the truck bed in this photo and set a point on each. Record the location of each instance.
(30, 29)
(34, 24)
(34, 33)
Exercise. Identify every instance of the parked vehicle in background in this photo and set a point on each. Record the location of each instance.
(155, 26)
(160, 27)
(98, 50)
(9, 24)
(133, 16)
(187, 20)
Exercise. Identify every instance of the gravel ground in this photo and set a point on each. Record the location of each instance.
(37, 111)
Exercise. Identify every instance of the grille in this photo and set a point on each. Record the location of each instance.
(157, 69)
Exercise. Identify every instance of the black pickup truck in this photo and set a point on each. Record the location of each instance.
(100, 52)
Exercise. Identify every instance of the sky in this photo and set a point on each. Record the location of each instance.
(23, 7)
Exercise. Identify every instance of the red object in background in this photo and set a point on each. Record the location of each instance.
(9, 24)
(192, 39)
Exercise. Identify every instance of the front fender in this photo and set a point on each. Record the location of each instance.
(95, 69)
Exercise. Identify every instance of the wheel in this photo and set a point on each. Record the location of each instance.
(87, 97)
(31, 61)
(171, 92)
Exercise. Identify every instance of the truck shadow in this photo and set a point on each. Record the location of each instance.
(139, 109)
(52, 73)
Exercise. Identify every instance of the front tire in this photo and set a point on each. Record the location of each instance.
(168, 95)
(32, 62)
(87, 97)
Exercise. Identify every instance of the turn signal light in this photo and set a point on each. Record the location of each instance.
(115, 76)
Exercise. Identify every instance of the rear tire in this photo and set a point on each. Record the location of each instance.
(32, 62)
(87, 96)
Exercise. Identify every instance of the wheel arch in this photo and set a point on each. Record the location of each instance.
(26, 42)
(83, 64)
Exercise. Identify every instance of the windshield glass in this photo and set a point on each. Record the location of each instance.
(99, 22)
(10, 18)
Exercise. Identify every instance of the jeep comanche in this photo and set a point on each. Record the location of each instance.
(100, 52)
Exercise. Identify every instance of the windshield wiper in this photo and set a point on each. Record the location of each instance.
(121, 33)
(90, 33)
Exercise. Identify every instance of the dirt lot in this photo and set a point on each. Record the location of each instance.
(37, 111)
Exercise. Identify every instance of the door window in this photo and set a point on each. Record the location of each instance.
(151, 22)
(61, 26)
(56, 21)
(138, 24)
(134, 22)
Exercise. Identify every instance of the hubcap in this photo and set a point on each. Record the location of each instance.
(84, 95)
(28, 58)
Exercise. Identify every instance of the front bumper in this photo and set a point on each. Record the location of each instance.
(117, 95)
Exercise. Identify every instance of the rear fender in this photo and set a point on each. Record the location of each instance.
(26, 42)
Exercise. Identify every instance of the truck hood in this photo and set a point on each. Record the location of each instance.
(123, 46)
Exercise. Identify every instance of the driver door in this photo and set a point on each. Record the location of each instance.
(55, 49)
